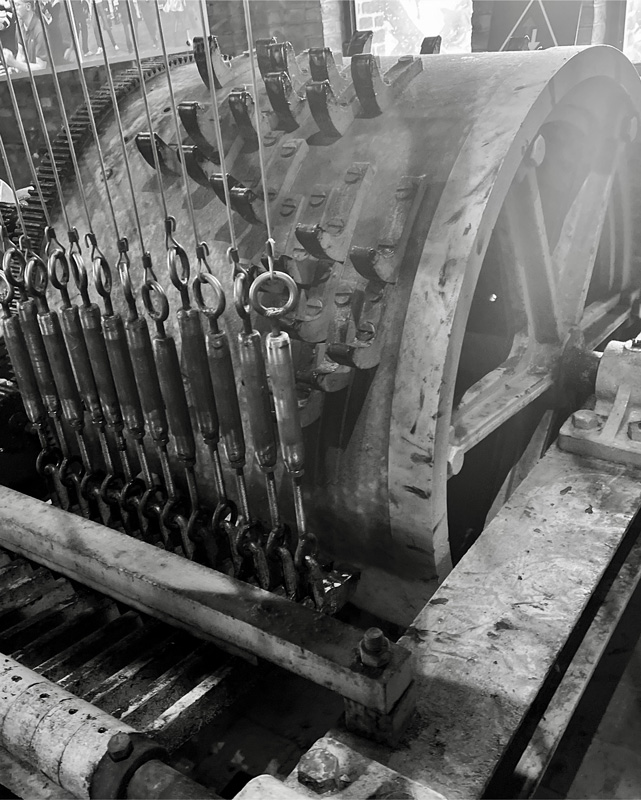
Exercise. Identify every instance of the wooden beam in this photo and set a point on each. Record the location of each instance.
(204, 602)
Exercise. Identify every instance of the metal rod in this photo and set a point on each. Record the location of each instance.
(261, 152)
(121, 135)
(12, 184)
(92, 121)
(217, 128)
(143, 92)
(43, 122)
(174, 113)
(23, 136)
(65, 119)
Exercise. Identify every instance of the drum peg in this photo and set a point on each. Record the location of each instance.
(194, 119)
(361, 42)
(372, 91)
(167, 157)
(220, 65)
(196, 165)
(331, 115)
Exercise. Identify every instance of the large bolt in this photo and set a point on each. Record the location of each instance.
(313, 307)
(120, 746)
(585, 420)
(319, 770)
(634, 431)
(374, 649)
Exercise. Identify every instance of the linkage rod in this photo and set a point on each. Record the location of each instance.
(121, 135)
(43, 122)
(217, 128)
(92, 121)
(65, 119)
(23, 136)
(12, 184)
(174, 113)
(143, 92)
(261, 149)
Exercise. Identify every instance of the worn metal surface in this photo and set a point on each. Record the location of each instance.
(611, 427)
(356, 776)
(461, 130)
(487, 643)
(551, 728)
(201, 601)
(155, 679)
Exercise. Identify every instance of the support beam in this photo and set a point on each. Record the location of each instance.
(204, 602)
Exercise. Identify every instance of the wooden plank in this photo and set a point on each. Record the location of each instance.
(200, 600)
(492, 634)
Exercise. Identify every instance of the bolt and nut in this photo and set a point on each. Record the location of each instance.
(120, 746)
(374, 649)
(586, 420)
(319, 770)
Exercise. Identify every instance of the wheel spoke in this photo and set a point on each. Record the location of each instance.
(523, 231)
(575, 254)
(501, 393)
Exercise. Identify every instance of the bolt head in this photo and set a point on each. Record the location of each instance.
(313, 307)
(374, 649)
(319, 770)
(120, 746)
(634, 431)
(585, 420)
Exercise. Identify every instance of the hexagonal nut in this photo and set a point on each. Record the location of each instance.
(586, 420)
(634, 431)
(374, 649)
(319, 770)
(120, 746)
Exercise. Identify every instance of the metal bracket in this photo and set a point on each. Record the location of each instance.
(126, 752)
(612, 429)
(328, 239)
(382, 262)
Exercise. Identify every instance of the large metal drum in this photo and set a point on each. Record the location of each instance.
(508, 178)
